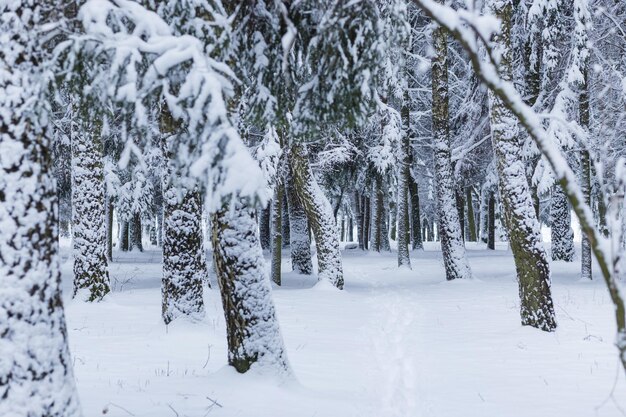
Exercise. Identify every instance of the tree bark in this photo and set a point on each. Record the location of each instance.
(533, 273)
(184, 262)
(471, 219)
(265, 229)
(416, 223)
(124, 242)
(299, 232)
(320, 215)
(452, 247)
(109, 229)
(253, 333)
(36, 377)
(277, 234)
(377, 213)
(136, 233)
(561, 228)
(358, 210)
(491, 239)
(91, 272)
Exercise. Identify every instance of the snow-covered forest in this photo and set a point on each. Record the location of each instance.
(332, 208)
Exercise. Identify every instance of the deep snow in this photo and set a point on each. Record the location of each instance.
(395, 342)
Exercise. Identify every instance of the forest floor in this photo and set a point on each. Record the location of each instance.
(393, 343)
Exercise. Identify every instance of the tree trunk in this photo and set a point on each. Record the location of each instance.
(265, 229)
(366, 222)
(91, 272)
(284, 224)
(160, 228)
(377, 213)
(184, 259)
(109, 230)
(36, 377)
(358, 210)
(471, 219)
(561, 228)
(136, 233)
(416, 223)
(452, 247)
(124, 242)
(384, 235)
(460, 205)
(491, 239)
(404, 180)
(320, 215)
(252, 329)
(277, 234)
(585, 255)
(350, 229)
(531, 263)
(299, 232)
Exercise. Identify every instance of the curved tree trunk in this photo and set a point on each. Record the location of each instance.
(91, 271)
(36, 378)
(531, 263)
(320, 215)
(252, 328)
(450, 232)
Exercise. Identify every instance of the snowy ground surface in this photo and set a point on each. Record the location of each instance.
(394, 343)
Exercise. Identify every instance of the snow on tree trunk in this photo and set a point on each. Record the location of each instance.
(252, 328)
(320, 215)
(264, 228)
(36, 378)
(277, 234)
(91, 274)
(184, 262)
(404, 179)
(366, 209)
(416, 223)
(452, 247)
(585, 255)
(533, 273)
(384, 235)
(561, 228)
(299, 232)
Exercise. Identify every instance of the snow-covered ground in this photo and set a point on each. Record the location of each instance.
(393, 343)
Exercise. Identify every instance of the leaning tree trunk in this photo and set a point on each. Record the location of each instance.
(320, 215)
(36, 378)
(184, 262)
(299, 232)
(561, 227)
(91, 274)
(416, 223)
(531, 263)
(452, 247)
(252, 329)
(277, 234)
